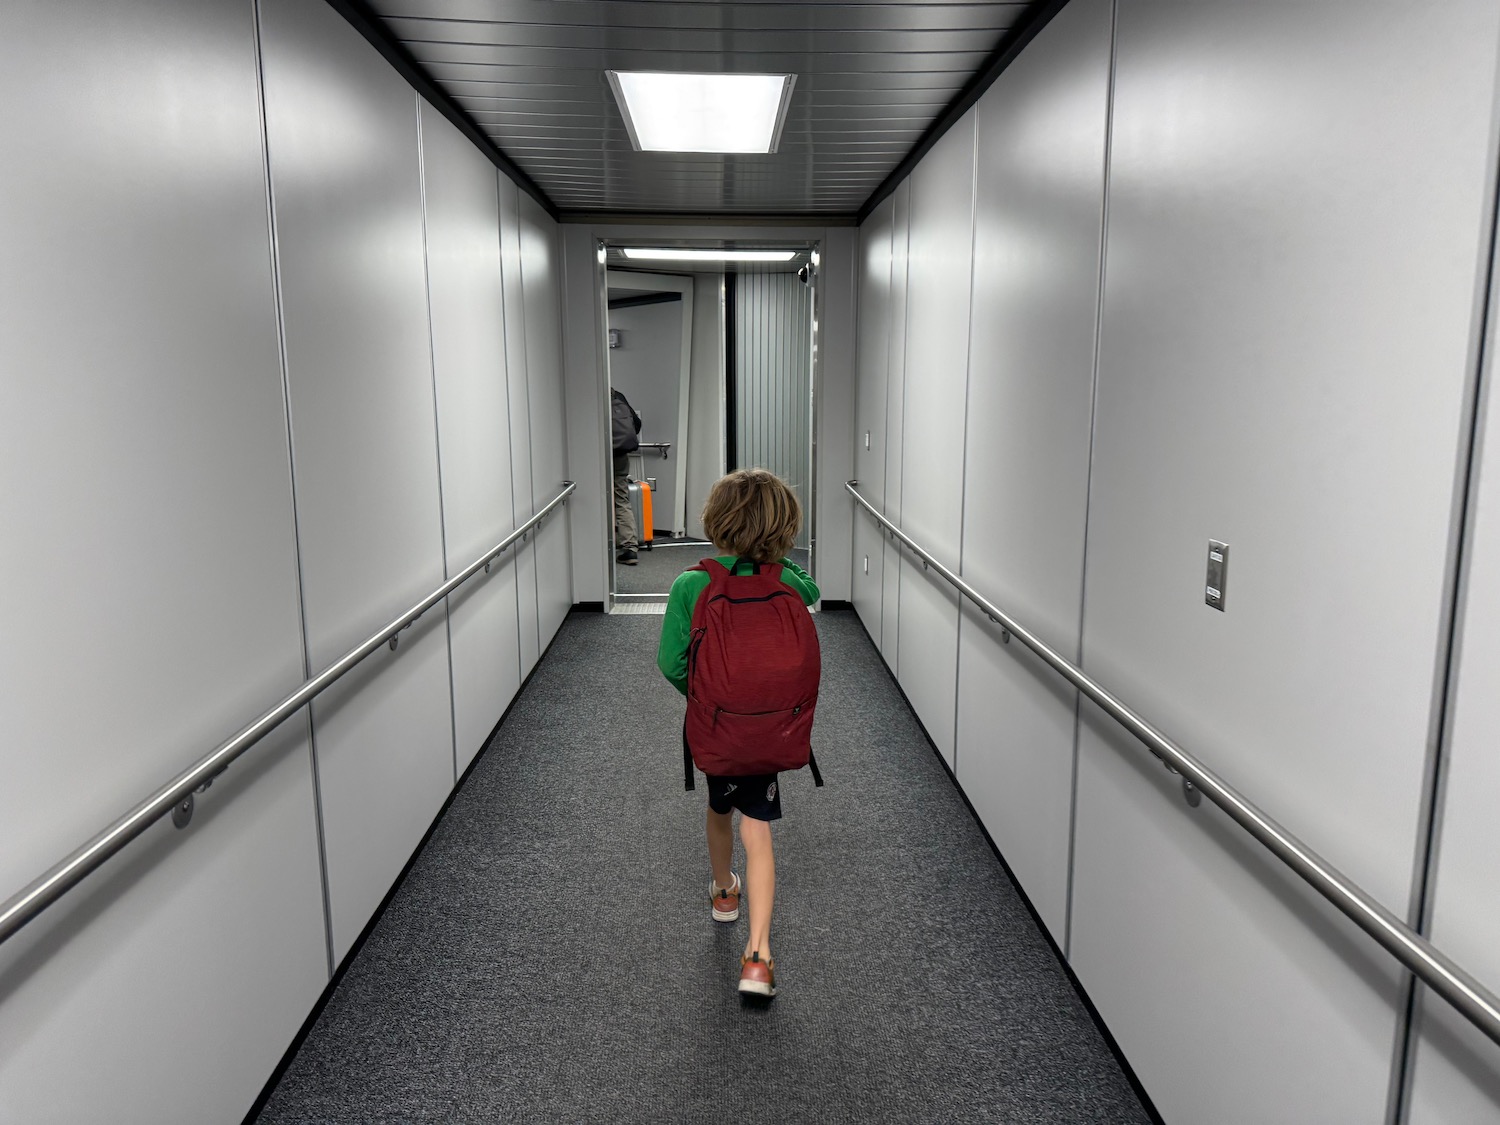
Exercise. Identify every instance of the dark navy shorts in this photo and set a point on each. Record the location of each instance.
(757, 796)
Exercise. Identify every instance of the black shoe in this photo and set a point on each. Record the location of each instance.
(627, 556)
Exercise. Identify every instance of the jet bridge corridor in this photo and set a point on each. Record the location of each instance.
(1132, 365)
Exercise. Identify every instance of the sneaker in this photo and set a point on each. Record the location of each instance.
(627, 556)
(725, 903)
(757, 977)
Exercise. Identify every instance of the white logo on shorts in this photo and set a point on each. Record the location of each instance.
(730, 788)
(771, 792)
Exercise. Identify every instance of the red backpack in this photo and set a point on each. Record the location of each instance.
(752, 679)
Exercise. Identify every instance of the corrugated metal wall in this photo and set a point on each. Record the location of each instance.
(773, 378)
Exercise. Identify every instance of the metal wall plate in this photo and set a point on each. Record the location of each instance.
(1216, 582)
(182, 812)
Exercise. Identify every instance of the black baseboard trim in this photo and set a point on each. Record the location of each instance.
(1109, 1039)
(587, 607)
(836, 605)
(338, 975)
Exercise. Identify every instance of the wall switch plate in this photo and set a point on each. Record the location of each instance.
(1217, 581)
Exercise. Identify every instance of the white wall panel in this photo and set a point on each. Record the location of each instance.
(473, 406)
(870, 441)
(520, 418)
(342, 136)
(834, 464)
(541, 271)
(1457, 1069)
(167, 988)
(895, 410)
(937, 347)
(148, 577)
(590, 512)
(1039, 202)
(1296, 202)
(773, 320)
(705, 448)
(1236, 993)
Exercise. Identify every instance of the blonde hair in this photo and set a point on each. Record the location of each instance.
(752, 514)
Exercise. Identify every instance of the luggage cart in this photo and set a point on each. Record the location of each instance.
(643, 500)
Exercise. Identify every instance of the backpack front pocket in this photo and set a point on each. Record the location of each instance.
(735, 743)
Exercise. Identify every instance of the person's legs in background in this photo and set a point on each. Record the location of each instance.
(625, 530)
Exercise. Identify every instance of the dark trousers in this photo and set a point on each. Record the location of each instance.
(625, 529)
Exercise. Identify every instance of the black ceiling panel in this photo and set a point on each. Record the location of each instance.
(872, 78)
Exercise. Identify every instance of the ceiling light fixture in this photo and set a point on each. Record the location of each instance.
(666, 254)
(702, 112)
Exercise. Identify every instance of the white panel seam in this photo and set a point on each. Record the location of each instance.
(685, 365)
(963, 457)
(510, 413)
(530, 544)
(286, 399)
(437, 430)
(885, 393)
(1083, 572)
(1423, 898)
(911, 204)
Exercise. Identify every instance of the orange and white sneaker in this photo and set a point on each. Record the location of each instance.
(725, 903)
(757, 977)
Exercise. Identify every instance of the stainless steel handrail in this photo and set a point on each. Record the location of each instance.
(1433, 967)
(661, 447)
(42, 892)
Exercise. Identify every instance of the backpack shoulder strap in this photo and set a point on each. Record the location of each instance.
(717, 576)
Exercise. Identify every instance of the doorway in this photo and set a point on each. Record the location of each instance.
(718, 358)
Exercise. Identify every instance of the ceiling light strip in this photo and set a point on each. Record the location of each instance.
(674, 254)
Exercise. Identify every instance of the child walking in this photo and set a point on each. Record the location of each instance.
(737, 640)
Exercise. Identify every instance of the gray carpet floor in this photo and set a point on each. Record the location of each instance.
(551, 958)
(654, 573)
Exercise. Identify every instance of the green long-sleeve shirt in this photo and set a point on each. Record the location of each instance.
(677, 626)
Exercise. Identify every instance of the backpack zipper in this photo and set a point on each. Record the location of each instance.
(787, 593)
(695, 642)
(797, 710)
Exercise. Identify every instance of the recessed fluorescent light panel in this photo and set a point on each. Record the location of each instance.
(702, 112)
(671, 255)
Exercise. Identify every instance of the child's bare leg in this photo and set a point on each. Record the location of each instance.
(760, 883)
(721, 847)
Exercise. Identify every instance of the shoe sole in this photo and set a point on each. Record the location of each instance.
(727, 916)
(756, 988)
